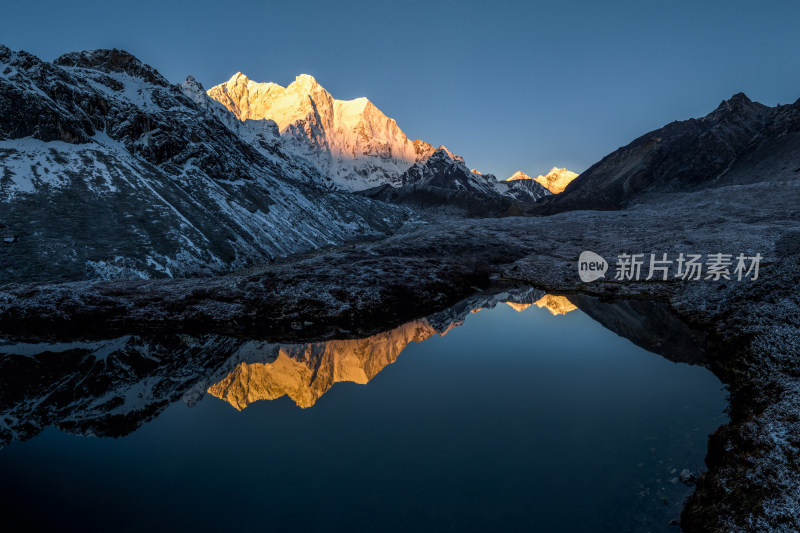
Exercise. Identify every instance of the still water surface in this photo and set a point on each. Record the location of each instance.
(515, 420)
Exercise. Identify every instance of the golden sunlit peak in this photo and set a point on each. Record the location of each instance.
(556, 180)
(519, 175)
(476, 171)
(307, 79)
(557, 305)
(518, 307)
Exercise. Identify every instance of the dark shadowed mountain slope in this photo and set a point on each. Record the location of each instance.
(444, 171)
(740, 142)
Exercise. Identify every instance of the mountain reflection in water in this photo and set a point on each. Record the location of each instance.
(304, 372)
(109, 388)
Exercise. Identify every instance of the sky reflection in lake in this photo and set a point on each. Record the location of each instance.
(516, 420)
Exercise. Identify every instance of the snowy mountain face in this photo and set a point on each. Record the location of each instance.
(349, 144)
(557, 179)
(107, 170)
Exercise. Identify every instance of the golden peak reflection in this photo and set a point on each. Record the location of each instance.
(304, 372)
(557, 305)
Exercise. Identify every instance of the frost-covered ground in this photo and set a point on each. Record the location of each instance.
(754, 332)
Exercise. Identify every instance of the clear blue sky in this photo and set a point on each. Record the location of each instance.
(508, 85)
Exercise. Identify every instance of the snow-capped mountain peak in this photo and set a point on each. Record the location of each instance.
(557, 179)
(518, 175)
(450, 154)
(350, 143)
(194, 90)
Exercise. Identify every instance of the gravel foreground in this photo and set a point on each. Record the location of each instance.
(753, 329)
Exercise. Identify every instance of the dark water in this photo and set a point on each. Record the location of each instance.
(513, 421)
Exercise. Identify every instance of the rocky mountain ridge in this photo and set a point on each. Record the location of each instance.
(442, 180)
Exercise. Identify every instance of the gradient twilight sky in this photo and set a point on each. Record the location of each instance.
(508, 85)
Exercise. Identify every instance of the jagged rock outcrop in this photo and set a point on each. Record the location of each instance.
(107, 170)
(442, 170)
(740, 142)
(444, 180)
(112, 61)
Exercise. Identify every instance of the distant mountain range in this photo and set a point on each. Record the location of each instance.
(109, 171)
(444, 180)
(554, 181)
(352, 145)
